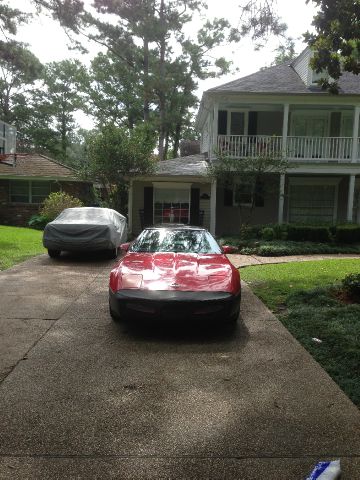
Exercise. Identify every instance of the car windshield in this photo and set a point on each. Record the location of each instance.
(172, 240)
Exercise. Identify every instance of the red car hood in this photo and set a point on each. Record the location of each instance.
(175, 271)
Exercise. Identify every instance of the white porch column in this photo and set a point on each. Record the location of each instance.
(354, 155)
(285, 127)
(213, 145)
(281, 199)
(130, 206)
(213, 207)
(350, 204)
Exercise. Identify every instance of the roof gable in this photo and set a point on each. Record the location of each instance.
(284, 79)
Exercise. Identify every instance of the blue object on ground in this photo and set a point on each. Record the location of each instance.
(326, 471)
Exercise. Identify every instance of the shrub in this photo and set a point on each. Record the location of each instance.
(38, 222)
(349, 233)
(267, 233)
(351, 284)
(308, 233)
(57, 202)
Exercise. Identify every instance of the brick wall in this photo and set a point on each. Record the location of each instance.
(18, 214)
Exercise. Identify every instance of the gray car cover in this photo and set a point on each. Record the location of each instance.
(86, 228)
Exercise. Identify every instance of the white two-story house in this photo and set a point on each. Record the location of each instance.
(281, 108)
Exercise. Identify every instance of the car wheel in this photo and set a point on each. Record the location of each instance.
(54, 253)
(232, 319)
(114, 315)
(113, 253)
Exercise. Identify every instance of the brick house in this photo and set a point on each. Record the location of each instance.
(27, 179)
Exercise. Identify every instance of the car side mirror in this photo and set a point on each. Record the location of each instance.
(228, 249)
(125, 246)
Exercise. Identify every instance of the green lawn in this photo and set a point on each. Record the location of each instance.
(17, 244)
(304, 297)
(273, 283)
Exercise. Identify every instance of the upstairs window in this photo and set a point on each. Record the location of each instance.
(315, 77)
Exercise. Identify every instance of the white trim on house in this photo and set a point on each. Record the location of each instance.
(355, 141)
(213, 207)
(229, 111)
(42, 178)
(170, 185)
(350, 202)
(281, 199)
(130, 205)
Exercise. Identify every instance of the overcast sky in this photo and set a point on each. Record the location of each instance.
(48, 41)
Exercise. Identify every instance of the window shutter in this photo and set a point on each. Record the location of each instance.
(228, 197)
(222, 122)
(252, 127)
(148, 206)
(195, 206)
(259, 194)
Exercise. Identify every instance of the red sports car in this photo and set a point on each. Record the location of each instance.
(175, 272)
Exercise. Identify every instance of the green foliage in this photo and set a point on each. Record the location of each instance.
(308, 233)
(51, 126)
(279, 248)
(336, 43)
(19, 70)
(338, 328)
(10, 18)
(57, 202)
(115, 154)
(38, 222)
(349, 233)
(285, 52)
(154, 61)
(351, 284)
(267, 233)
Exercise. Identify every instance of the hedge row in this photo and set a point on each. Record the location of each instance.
(340, 234)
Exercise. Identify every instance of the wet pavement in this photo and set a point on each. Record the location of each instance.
(84, 397)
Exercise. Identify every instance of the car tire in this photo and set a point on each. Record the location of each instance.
(114, 315)
(54, 253)
(232, 319)
(113, 253)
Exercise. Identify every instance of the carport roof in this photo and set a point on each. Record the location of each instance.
(190, 166)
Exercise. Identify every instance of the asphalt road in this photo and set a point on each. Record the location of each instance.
(82, 397)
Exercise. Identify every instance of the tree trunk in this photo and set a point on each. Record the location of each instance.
(161, 84)
(177, 140)
(146, 81)
(166, 148)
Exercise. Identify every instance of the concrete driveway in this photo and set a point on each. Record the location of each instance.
(83, 397)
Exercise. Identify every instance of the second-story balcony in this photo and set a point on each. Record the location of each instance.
(308, 149)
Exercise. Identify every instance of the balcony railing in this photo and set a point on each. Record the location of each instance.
(312, 149)
(240, 146)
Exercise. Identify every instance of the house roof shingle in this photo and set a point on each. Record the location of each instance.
(36, 165)
(284, 79)
(193, 165)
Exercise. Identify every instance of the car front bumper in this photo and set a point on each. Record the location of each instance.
(174, 305)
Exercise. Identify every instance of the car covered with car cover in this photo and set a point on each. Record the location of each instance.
(175, 272)
(85, 229)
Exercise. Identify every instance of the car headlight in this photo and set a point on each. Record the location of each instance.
(131, 280)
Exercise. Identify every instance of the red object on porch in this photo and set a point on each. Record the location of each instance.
(176, 213)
